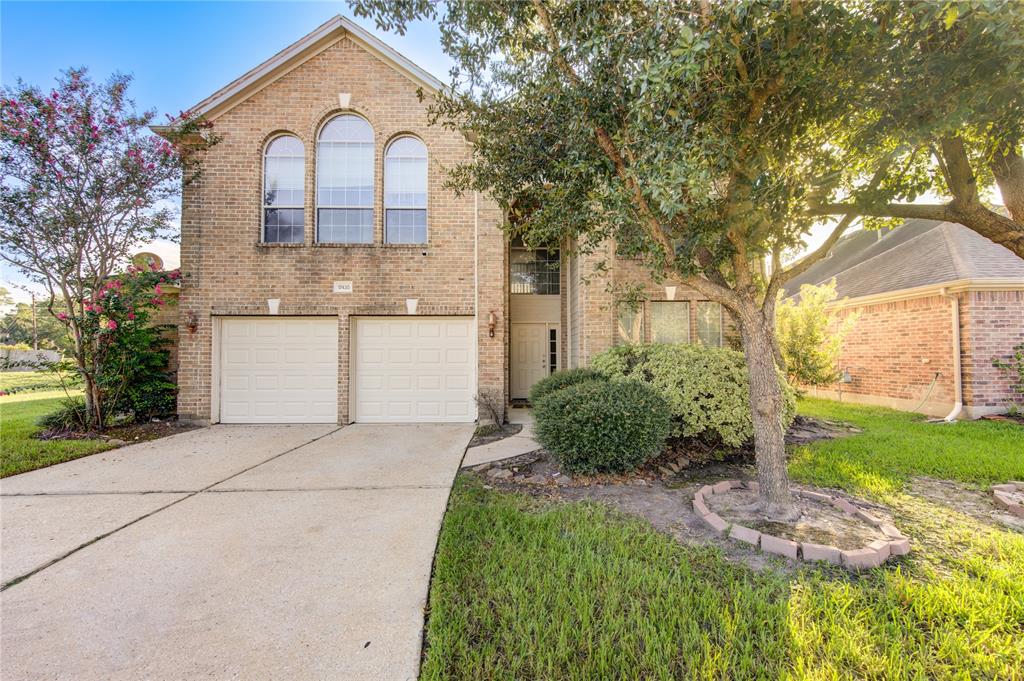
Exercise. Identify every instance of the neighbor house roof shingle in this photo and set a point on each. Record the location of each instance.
(917, 253)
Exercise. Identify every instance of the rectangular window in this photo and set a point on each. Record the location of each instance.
(534, 271)
(345, 193)
(630, 325)
(670, 322)
(552, 350)
(709, 323)
(405, 226)
(345, 225)
(282, 225)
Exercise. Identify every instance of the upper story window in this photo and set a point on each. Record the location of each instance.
(344, 181)
(534, 271)
(283, 179)
(405, 192)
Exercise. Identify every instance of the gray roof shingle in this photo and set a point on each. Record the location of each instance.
(917, 253)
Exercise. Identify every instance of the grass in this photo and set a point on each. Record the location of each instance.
(19, 451)
(26, 381)
(525, 589)
(897, 445)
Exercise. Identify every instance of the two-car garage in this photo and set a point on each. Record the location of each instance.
(401, 369)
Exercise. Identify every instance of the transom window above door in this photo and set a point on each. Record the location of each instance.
(534, 271)
(344, 181)
(283, 179)
(405, 192)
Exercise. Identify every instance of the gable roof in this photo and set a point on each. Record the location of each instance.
(917, 253)
(302, 50)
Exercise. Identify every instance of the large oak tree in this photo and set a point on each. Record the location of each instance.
(701, 136)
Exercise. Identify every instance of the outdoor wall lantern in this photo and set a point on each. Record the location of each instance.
(847, 376)
(191, 322)
(670, 292)
(492, 321)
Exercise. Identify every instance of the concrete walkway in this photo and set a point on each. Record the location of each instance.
(522, 442)
(255, 552)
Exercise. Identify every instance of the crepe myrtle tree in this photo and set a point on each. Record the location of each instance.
(951, 98)
(83, 183)
(692, 134)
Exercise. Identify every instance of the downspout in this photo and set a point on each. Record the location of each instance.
(958, 388)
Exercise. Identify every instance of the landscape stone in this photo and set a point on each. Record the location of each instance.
(867, 517)
(499, 473)
(699, 507)
(844, 505)
(716, 522)
(779, 546)
(861, 559)
(745, 534)
(721, 487)
(706, 491)
(899, 547)
(828, 554)
(881, 547)
(890, 531)
(537, 480)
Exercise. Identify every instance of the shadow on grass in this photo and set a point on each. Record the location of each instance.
(528, 589)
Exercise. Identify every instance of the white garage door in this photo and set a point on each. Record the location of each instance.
(411, 369)
(279, 370)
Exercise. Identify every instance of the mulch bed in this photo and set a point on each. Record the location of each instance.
(483, 437)
(123, 435)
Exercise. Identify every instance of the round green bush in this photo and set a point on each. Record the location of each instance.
(562, 379)
(602, 427)
(706, 388)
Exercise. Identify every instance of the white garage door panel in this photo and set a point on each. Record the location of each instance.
(409, 370)
(282, 370)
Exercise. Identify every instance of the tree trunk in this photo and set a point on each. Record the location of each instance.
(766, 405)
(1008, 168)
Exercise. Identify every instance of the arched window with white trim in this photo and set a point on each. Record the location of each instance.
(283, 201)
(344, 181)
(405, 192)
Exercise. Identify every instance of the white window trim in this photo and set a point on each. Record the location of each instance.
(263, 191)
(316, 184)
(384, 179)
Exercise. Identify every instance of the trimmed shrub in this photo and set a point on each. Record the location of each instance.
(562, 379)
(602, 427)
(706, 388)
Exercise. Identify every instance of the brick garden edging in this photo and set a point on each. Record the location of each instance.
(1001, 494)
(872, 555)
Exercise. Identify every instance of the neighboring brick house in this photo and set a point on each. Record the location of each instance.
(329, 275)
(936, 303)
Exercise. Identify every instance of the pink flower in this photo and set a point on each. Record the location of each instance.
(130, 315)
(62, 316)
(111, 324)
(159, 291)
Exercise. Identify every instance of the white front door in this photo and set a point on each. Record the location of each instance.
(279, 370)
(534, 355)
(414, 369)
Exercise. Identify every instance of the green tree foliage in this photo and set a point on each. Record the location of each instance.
(83, 182)
(811, 336)
(701, 137)
(16, 327)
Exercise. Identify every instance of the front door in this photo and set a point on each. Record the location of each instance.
(534, 355)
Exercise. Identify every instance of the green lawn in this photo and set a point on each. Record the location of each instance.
(19, 451)
(24, 381)
(525, 589)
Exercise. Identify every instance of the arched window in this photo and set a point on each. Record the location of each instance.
(405, 192)
(283, 179)
(344, 181)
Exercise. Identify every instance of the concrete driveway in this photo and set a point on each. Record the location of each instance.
(249, 552)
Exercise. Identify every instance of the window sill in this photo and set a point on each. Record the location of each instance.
(407, 247)
(271, 244)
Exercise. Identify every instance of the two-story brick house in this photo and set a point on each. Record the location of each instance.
(330, 276)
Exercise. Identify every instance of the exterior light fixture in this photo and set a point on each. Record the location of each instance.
(670, 292)
(191, 322)
(847, 377)
(273, 304)
(492, 321)
(411, 304)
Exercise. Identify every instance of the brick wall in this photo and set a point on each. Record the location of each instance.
(226, 270)
(994, 324)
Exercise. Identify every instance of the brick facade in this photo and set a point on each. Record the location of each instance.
(900, 353)
(228, 271)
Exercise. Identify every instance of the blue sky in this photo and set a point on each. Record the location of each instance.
(178, 52)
